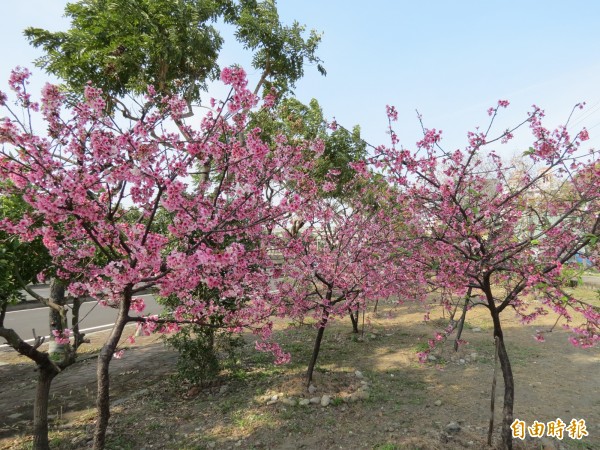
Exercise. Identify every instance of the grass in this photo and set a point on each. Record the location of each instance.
(522, 354)
(119, 443)
(155, 426)
(407, 391)
(249, 420)
(421, 347)
(228, 405)
(586, 294)
(256, 366)
(337, 401)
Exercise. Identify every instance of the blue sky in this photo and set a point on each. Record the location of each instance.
(451, 60)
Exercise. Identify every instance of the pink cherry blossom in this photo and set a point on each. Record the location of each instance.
(61, 337)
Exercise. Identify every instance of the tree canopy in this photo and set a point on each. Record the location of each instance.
(122, 46)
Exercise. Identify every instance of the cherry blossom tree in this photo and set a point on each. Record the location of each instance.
(496, 237)
(341, 254)
(87, 172)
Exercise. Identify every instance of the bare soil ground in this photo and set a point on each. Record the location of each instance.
(409, 405)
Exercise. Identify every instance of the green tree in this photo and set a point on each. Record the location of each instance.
(20, 262)
(122, 46)
(299, 122)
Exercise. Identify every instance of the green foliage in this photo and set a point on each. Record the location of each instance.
(298, 123)
(203, 350)
(279, 51)
(421, 347)
(337, 401)
(17, 259)
(593, 239)
(203, 353)
(198, 361)
(122, 46)
(9, 288)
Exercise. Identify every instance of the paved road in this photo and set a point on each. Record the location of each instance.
(93, 317)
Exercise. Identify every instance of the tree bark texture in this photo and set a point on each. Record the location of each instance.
(354, 319)
(78, 337)
(317, 347)
(3, 307)
(40, 409)
(104, 358)
(57, 321)
(509, 386)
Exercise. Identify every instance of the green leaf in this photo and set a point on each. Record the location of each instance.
(122, 46)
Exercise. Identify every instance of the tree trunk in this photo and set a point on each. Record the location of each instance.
(40, 409)
(104, 358)
(315, 354)
(509, 386)
(77, 335)
(3, 306)
(493, 395)
(461, 321)
(57, 296)
(354, 319)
